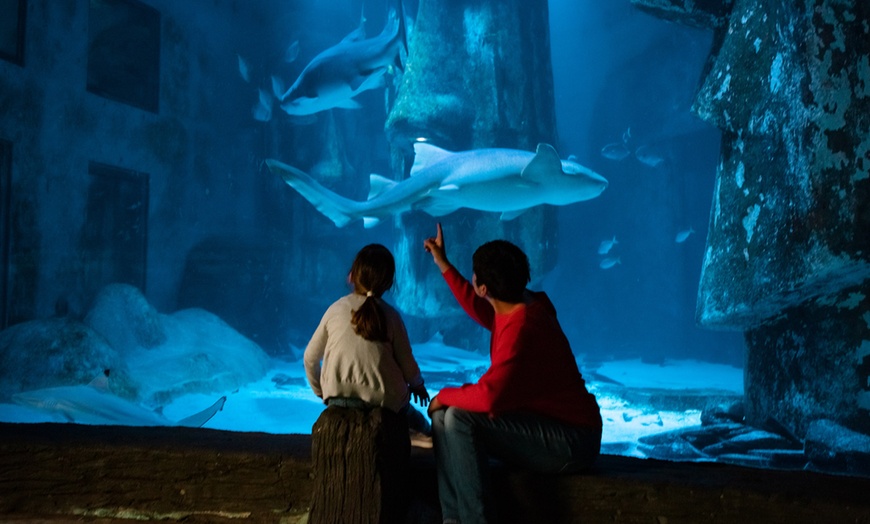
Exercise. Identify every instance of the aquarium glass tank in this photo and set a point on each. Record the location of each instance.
(184, 185)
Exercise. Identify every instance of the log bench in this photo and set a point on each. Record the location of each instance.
(59, 473)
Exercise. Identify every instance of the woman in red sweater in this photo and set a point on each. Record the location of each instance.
(530, 409)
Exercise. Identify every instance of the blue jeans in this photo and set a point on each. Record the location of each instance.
(464, 442)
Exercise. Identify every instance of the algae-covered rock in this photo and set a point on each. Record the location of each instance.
(57, 352)
(125, 318)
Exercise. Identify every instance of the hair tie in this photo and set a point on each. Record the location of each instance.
(368, 293)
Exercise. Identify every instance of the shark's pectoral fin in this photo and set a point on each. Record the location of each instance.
(510, 215)
(379, 184)
(545, 163)
(449, 187)
(368, 79)
(197, 420)
(436, 207)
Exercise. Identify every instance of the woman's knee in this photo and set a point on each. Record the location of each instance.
(458, 420)
(438, 419)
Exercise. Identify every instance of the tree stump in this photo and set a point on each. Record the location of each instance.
(360, 462)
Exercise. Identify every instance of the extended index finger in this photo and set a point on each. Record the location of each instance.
(439, 238)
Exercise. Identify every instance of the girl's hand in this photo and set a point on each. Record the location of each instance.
(420, 395)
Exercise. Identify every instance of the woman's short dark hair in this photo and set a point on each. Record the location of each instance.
(372, 272)
(504, 268)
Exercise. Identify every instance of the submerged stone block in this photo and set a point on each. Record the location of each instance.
(833, 447)
(811, 362)
(788, 251)
(788, 85)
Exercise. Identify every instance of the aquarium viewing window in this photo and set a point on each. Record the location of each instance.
(124, 52)
(5, 201)
(114, 237)
(12, 19)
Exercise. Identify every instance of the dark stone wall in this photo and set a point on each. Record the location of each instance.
(222, 233)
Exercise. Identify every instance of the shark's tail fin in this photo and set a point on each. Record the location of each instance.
(198, 419)
(335, 207)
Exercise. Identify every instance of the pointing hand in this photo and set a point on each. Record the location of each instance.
(435, 246)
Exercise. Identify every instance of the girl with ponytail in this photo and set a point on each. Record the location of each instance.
(360, 355)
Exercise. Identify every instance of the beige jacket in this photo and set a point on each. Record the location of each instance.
(340, 363)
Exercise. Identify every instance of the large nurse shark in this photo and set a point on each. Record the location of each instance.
(347, 69)
(507, 181)
(96, 404)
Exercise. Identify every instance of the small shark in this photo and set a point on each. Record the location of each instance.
(354, 65)
(96, 404)
(508, 181)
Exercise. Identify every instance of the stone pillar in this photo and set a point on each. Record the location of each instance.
(788, 252)
(478, 75)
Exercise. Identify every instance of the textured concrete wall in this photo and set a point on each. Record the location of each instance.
(189, 149)
(223, 234)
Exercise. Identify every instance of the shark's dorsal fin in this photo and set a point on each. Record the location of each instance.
(426, 154)
(378, 184)
(437, 338)
(359, 33)
(545, 163)
(370, 222)
(101, 381)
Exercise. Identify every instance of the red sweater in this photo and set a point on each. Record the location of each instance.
(532, 368)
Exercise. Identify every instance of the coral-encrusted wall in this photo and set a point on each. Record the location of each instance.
(788, 252)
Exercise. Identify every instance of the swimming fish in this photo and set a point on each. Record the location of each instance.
(615, 151)
(335, 76)
(683, 235)
(507, 181)
(262, 110)
(244, 69)
(292, 52)
(609, 262)
(649, 155)
(96, 404)
(606, 246)
(618, 150)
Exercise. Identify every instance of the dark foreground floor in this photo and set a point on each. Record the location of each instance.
(59, 473)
